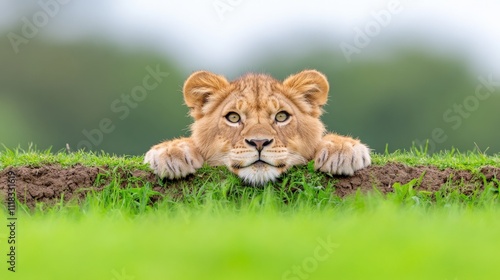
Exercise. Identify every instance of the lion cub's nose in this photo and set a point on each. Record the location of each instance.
(259, 144)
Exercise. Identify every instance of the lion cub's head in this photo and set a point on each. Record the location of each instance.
(257, 126)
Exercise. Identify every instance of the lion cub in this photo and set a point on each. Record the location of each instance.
(258, 127)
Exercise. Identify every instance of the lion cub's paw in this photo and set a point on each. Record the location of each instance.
(174, 159)
(341, 155)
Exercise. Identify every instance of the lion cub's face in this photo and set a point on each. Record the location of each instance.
(258, 127)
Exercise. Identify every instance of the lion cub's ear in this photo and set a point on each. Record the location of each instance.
(310, 86)
(199, 87)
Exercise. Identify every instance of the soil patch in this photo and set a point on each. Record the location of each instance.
(50, 183)
(431, 178)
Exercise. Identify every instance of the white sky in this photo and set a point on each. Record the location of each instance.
(195, 34)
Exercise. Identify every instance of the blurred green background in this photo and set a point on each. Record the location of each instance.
(73, 79)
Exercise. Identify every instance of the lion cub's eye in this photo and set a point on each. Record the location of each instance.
(233, 117)
(282, 116)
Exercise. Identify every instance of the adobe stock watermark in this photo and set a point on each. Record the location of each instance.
(31, 25)
(309, 265)
(221, 7)
(123, 275)
(456, 114)
(11, 221)
(122, 107)
(363, 36)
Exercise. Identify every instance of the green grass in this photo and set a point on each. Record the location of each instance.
(219, 229)
(415, 156)
(33, 157)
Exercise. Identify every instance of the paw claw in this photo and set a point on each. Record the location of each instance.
(342, 158)
(174, 159)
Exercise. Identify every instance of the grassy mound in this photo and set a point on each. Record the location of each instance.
(127, 224)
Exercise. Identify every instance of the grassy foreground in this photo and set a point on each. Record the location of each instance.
(223, 231)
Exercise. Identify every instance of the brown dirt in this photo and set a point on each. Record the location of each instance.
(48, 183)
(51, 182)
(432, 178)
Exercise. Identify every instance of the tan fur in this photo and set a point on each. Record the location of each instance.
(258, 147)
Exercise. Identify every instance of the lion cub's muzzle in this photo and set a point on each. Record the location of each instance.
(257, 153)
(259, 144)
(258, 160)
